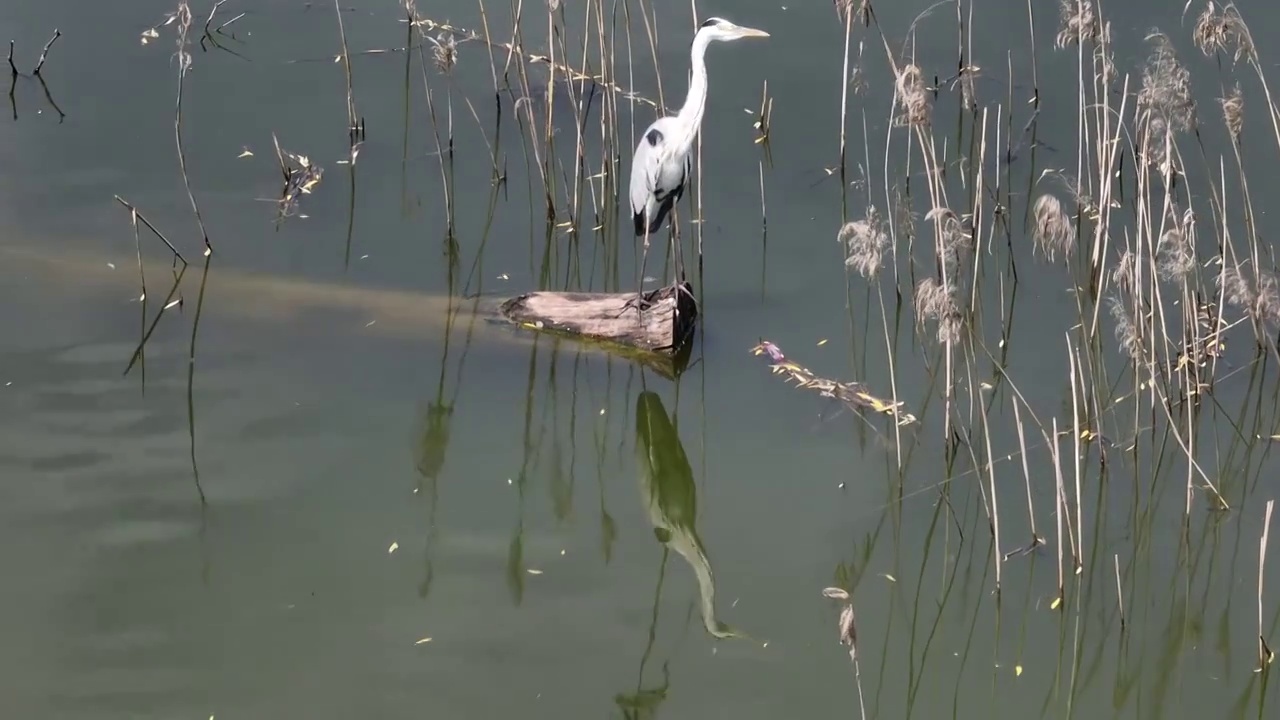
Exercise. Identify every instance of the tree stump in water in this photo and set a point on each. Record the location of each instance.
(658, 327)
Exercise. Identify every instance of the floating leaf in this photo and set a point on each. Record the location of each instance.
(393, 547)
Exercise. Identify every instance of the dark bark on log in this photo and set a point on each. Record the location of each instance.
(662, 328)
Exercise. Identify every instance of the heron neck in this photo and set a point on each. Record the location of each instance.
(696, 101)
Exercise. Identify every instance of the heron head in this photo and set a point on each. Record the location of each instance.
(721, 29)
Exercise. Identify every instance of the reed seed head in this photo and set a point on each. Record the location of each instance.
(858, 79)
(1103, 56)
(952, 232)
(1235, 288)
(848, 627)
(1233, 112)
(906, 216)
(865, 241)
(913, 97)
(1174, 257)
(1079, 22)
(1123, 274)
(183, 17)
(1223, 31)
(445, 52)
(843, 7)
(1166, 85)
(936, 301)
(1260, 299)
(1053, 232)
(1126, 330)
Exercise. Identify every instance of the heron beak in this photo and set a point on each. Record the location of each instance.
(751, 32)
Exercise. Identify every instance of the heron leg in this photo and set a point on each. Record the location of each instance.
(674, 239)
(639, 302)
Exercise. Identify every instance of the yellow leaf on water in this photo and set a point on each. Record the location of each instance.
(245, 153)
(423, 641)
(533, 571)
(822, 342)
(1056, 603)
(393, 547)
(889, 577)
(1017, 670)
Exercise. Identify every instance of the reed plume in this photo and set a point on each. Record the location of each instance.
(865, 242)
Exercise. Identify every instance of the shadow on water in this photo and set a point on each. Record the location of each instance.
(671, 499)
(671, 503)
(434, 429)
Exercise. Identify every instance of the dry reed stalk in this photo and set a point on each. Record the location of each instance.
(1062, 509)
(1035, 73)
(1265, 654)
(845, 9)
(184, 64)
(977, 207)
(1075, 374)
(1026, 476)
(445, 57)
(848, 635)
(355, 126)
(996, 557)
(1119, 592)
(169, 302)
(548, 137)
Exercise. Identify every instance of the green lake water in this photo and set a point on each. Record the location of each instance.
(380, 468)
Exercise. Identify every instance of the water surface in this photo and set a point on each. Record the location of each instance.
(566, 526)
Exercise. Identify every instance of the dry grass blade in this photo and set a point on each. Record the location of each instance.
(299, 177)
(853, 394)
(847, 632)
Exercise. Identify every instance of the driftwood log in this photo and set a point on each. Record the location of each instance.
(655, 331)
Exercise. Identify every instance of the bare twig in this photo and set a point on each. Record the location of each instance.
(43, 53)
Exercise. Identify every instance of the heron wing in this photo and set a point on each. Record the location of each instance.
(658, 173)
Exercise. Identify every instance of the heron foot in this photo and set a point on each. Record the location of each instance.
(639, 303)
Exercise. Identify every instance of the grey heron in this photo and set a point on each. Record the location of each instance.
(662, 161)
